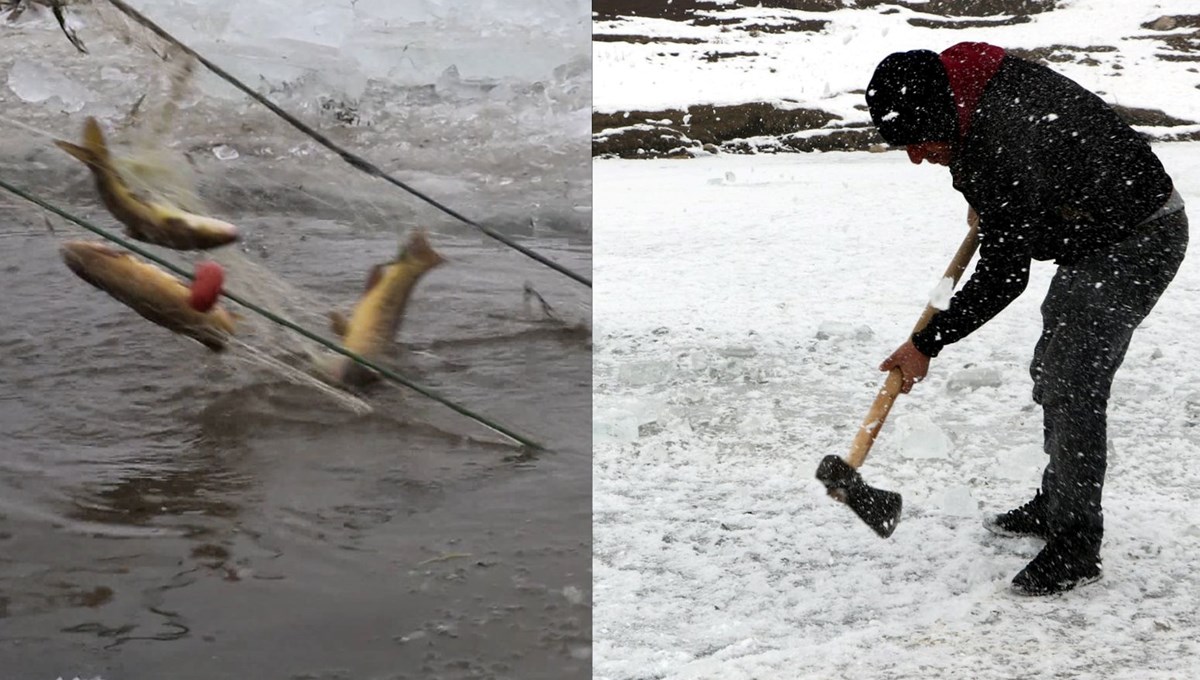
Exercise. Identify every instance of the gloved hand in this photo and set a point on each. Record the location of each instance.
(912, 364)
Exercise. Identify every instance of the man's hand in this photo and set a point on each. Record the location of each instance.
(912, 364)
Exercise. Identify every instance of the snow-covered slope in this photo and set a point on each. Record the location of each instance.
(728, 53)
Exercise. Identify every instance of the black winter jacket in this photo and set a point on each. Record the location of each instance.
(1054, 175)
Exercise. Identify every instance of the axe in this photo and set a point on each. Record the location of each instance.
(878, 508)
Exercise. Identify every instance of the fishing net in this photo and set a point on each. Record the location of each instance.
(182, 136)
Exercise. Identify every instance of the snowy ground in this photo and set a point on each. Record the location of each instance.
(742, 306)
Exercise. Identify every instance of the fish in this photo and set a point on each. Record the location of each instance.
(156, 294)
(373, 324)
(145, 219)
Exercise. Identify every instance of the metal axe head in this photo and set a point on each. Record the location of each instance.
(878, 508)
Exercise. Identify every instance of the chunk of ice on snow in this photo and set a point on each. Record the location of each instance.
(1021, 463)
(614, 425)
(756, 422)
(622, 419)
(225, 152)
(37, 82)
(840, 330)
(302, 22)
(917, 436)
(638, 373)
(958, 501)
(973, 379)
(739, 351)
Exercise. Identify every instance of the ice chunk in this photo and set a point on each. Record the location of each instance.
(37, 82)
(739, 351)
(973, 379)
(410, 11)
(958, 501)
(453, 86)
(756, 422)
(1022, 463)
(917, 436)
(225, 152)
(614, 425)
(323, 23)
(113, 74)
(625, 419)
(699, 360)
(638, 373)
(841, 330)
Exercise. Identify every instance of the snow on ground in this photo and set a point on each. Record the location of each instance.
(742, 307)
(823, 69)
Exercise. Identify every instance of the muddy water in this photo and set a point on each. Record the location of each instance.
(170, 513)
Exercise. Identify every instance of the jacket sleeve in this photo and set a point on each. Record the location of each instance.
(1000, 276)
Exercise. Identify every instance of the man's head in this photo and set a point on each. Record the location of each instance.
(910, 100)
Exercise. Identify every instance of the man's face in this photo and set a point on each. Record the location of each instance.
(937, 153)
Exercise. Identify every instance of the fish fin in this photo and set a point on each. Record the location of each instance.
(337, 323)
(374, 277)
(162, 177)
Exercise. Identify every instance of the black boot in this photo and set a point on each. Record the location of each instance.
(1068, 560)
(1027, 520)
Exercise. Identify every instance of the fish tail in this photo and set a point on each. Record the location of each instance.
(94, 151)
(77, 151)
(93, 140)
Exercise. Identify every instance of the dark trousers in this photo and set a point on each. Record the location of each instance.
(1089, 315)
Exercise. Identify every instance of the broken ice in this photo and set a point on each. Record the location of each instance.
(973, 378)
(621, 419)
(37, 82)
(299, 21)
(614, 425)
(1021, 463)
(958, 501)
(738, 351)
(917, 436)
(843, 331)
(638, 373)
(225, 152)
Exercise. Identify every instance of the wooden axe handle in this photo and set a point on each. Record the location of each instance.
(891, 387)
